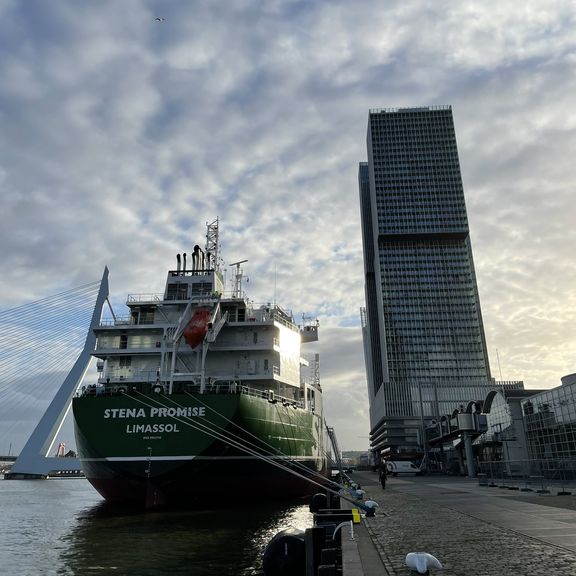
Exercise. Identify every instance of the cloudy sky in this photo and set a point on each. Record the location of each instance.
(120, 136)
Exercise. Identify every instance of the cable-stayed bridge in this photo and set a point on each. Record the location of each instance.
(45, 349)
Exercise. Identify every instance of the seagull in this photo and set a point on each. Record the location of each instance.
(158, 19)
(421, 562)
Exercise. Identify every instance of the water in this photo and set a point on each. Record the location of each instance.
(64, 528)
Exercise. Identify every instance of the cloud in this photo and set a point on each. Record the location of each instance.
(121, 136)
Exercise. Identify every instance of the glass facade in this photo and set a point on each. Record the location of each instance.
(424, 338)
(550, 423)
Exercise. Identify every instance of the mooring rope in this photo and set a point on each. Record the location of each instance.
(262, 441)
(194, 424)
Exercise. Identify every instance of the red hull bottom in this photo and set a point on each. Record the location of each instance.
(220, 485)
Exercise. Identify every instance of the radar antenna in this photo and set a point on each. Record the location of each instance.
(238, 279)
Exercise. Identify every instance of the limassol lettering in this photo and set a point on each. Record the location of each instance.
(151, 428)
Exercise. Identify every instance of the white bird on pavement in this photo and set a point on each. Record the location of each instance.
(421, 562)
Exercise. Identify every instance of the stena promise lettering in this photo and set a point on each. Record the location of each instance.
(185, 412)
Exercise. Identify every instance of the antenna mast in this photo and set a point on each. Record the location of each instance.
(212, 244)
(238, 279)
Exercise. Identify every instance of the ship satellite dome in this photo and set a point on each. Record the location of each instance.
(422, 562)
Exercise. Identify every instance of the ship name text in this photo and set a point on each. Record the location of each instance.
(185, 412)
(147, 428)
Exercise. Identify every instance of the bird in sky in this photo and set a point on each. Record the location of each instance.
(159, 19)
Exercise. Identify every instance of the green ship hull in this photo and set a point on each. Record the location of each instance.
(202, 449)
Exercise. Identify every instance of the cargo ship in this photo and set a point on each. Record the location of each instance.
(201, 395)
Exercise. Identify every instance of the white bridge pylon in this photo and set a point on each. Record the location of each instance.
(33, 461)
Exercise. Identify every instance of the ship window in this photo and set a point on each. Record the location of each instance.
(125, 361)
(265, 364)
(255, 337)
(171, 291)
(123, 341)
(202, 288)
(177, 291)
(241, 314)
(147, 316)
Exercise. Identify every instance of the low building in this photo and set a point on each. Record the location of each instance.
(550, 422)
(512, 432)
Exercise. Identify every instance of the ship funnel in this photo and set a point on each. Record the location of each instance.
(197, 258)
(178, 262)
(184, 262)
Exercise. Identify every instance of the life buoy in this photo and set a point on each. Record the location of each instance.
(158, 389)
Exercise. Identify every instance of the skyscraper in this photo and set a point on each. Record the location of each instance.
(424, 341)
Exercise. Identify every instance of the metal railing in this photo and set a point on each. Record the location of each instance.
(219, 388)
(129, 375)
(543, 476)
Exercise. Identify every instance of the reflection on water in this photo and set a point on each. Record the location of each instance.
(63, 528)
(120, 541)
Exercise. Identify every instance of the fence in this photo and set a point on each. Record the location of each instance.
(543, 476)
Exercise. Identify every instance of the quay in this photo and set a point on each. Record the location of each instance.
(473, 529)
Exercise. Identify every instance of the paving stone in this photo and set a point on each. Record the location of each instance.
(465, 545)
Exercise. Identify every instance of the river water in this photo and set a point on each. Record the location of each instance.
(63, 527)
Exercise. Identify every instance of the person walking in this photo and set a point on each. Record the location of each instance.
(383, 474)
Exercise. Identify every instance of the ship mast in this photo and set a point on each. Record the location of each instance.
(238, 279)
(212, 244)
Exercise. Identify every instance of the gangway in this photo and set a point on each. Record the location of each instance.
(336, 450)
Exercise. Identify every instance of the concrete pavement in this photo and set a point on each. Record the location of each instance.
(473, 530)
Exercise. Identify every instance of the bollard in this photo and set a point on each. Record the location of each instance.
(329, 556)
(314, 539)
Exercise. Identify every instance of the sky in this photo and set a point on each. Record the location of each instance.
(122, 135)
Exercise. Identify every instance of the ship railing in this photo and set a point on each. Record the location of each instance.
(266, 315)
(237, 388)
(127, 374)
(279, 317)
(118, 321)
(117, 388)
(129, 321)
(147, 376)
(144, 298)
